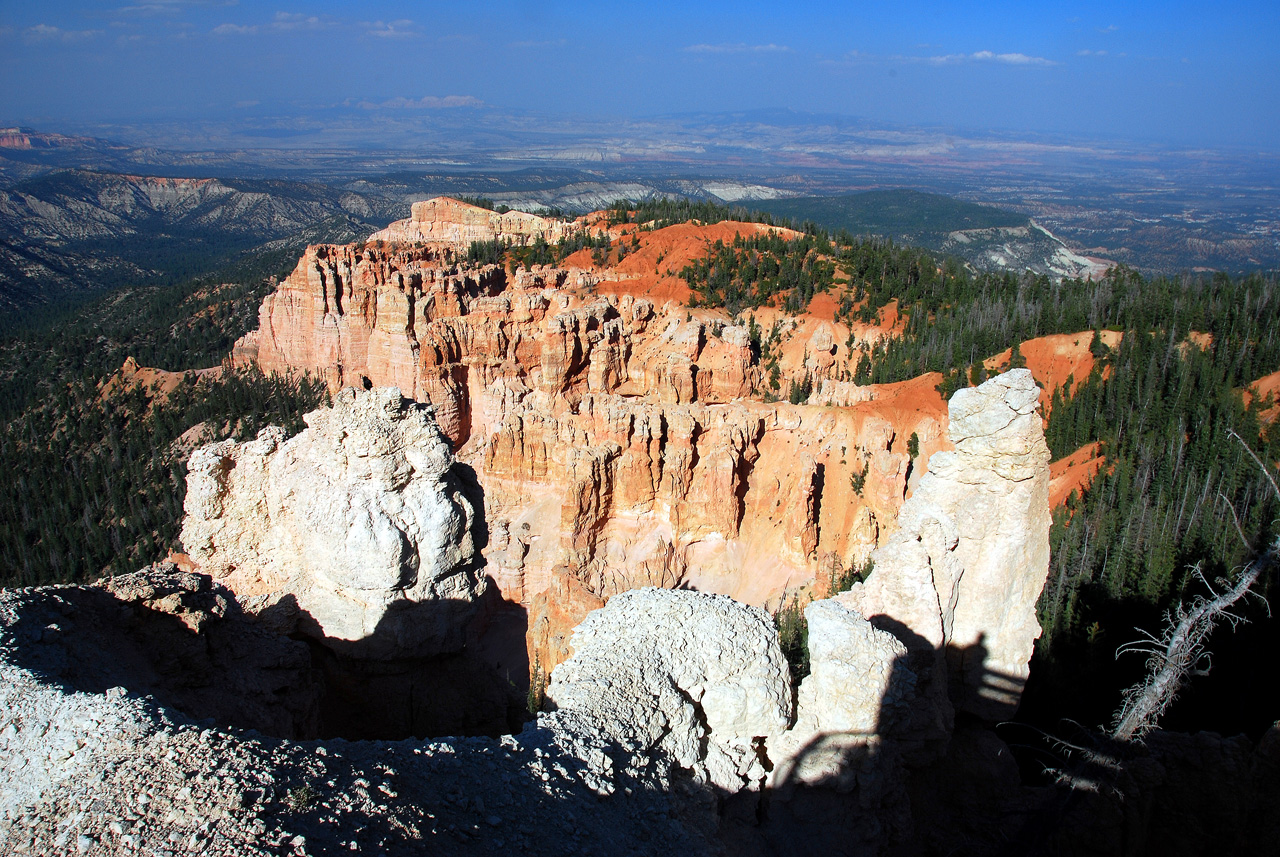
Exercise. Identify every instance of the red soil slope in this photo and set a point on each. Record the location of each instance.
(653, 268)
(1053, 359)
(1268, 385)
(1074, 473)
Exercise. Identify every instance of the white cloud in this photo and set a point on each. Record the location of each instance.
(426, 102)
(283, 22)
(739, 48)
(233, 30)
(47, 33)
(990, 56)
(169, 7)
(297, 21)
(1088, 53)
(557, 43)
(401, 29)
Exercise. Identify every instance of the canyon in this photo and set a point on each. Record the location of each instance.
(154, 710)
(356, 537)
(620, 442)
(527, 557)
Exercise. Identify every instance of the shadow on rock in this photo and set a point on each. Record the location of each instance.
(186, 641)
(178, 637)
(376, 687)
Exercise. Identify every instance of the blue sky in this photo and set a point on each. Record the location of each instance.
(1179, 73)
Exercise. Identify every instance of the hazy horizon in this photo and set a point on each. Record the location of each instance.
(1182, 76)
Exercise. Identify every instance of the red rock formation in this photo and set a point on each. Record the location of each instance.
(619, 442)
(451, 221)
(158, 383)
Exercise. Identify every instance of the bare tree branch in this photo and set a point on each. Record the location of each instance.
(1180, 651)
(1261, 466)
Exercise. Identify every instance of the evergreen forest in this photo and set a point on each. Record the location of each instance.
(96, 481)
(97, 478)
(1179, 489)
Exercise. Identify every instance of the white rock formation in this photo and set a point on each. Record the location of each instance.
(699, 677)
(858, 675)
(359, 517)
(964, 570)
(860, 691)
(88, 767)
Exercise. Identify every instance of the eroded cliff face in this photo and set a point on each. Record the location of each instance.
(618, 441)
(448, 220)
(358, 614)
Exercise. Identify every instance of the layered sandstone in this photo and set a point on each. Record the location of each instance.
(445, 220)
(619, 441)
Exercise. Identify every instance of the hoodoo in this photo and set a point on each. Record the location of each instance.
(360, 519)
(620, 442)
(964, 570)
(357, 537)
(534, 472)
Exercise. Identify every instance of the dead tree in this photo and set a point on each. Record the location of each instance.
(1180, 650)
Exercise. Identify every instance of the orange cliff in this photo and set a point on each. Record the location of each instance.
(619, 441)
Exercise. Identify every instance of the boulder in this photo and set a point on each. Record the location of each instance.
(698, 677)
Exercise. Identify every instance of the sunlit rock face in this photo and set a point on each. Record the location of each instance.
(359, 517)
(697, 677)
(451, 221)
(964, 570)
(619, 438)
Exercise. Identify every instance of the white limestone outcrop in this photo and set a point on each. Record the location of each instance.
(699, 677)
(451, 221)
(359, 517)
(857, 707)
(963, 572)
(857, 674)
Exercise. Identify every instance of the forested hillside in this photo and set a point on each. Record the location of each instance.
(901, 214)
(1178, 489)
(98, 475)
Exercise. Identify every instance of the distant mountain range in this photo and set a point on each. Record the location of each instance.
(74, 231)
(80, 213)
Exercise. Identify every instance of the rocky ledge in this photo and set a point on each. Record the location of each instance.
(172, 712)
